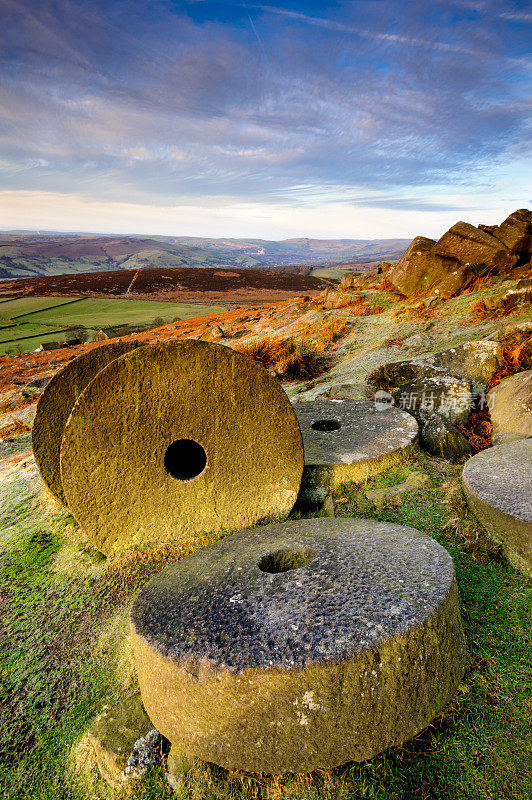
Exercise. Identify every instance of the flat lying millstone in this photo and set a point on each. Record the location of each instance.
(298, 646)
(178, 439)
(498, 485)
(349, 440)
(56, 403)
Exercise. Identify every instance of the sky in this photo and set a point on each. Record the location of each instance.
(361, 120)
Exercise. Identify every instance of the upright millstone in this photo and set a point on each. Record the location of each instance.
(498, 485)
(56, 403)
(349, 440)
(299, 646)
(178, 439)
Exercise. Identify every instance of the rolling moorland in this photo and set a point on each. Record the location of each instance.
(25, 255)
(41, 311)
(65, 608)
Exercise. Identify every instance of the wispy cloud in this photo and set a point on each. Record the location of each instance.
(173, 103)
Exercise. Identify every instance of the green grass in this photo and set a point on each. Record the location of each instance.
(25, 329)
(60, 664)
(37, 316)
(27, 345)
(331, 272)
(94, 312)
(28, 305)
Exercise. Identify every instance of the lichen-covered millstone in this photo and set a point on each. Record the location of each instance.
(498, 485)
(349, 440)
(178, 439)
(300, 646)
(56, 403)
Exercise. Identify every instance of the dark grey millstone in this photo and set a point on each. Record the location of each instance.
(369, 581)
(498, 486)
(349, 440)
(356, 648)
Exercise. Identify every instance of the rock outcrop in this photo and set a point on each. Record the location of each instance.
(445, 266)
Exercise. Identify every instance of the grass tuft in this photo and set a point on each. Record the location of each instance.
(292, 360)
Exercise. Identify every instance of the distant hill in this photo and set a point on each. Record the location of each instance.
(186, 284)
(25, 255)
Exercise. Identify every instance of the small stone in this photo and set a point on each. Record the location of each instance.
(39, 383)
(114, 735)
(394, 495)
(143, 756)
(348, 391)
(25, 416)
(441, 438)
(328, 506)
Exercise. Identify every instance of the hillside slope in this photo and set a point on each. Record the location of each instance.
(170, 284)
(25, 255)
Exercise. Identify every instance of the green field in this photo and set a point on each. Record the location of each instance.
(40, 317)
(331, 272)
(24, 330)
(33, 342)
(95, 313)
(28, 305)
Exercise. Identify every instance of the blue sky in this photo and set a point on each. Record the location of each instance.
(331, 119)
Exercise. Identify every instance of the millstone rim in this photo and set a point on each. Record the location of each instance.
(281, 715)
(494, 473)
(119, 489)
(340, 562)
(56, 403)
(339, 432)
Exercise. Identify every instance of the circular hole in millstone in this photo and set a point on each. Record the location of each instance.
(185, 459)
(326, 425)
(285, 560)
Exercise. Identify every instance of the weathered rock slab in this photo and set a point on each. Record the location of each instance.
(475, 361)
(449, 397)
(498, 485)
(349, 440)
(301, 645)
(178, 439)
(510, 405)
(446, 266)
(56, 403)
